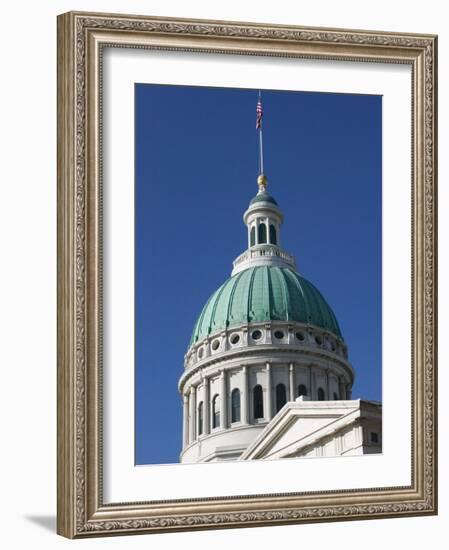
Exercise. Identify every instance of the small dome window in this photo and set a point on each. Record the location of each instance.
(273, 237)
(200, 353)
(256, 335)
(215, 345)
(258, 401)
(200, 418)
(216, 411)
(279, 334)
(262, 233)
(300, 336)
(281, 396)
(253, 236)
(235, 405)
(235, 339)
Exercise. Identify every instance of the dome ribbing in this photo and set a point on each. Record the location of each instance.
(264, 293)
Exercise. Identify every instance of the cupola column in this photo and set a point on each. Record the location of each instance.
(223, 401)
(206, 406)
(185, 425)
(244, 395)
(312, 383)
(269, 396)
(192, 403)
(292, 381)
(341, 388)
(328, 385)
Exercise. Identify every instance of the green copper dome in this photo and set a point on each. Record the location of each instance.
(264, 293)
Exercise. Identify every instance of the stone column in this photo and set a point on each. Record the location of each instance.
(312, 384)
(192, 402)
(269, 396)
(206, 406)
(244, 403)
(348, 392)
(223, 401)
(185, 424)
(341, 388)
(292, 381)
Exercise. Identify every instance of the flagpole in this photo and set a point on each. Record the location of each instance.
(260, 138)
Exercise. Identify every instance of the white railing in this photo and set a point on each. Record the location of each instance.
(266, 251)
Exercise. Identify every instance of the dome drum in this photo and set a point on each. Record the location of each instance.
(228, 404)
(297, 336)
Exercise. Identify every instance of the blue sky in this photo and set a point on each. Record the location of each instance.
(196, 164)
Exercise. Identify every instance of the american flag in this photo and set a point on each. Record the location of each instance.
(259, 114)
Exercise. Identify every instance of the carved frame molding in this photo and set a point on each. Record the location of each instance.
(81, 39)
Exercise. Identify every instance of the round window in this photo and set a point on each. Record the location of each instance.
(256, 335)
(215, 344)
(300, 336)
(200, 353)
(235, 339)
(279, 334)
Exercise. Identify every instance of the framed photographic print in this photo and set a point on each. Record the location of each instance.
(247, 274)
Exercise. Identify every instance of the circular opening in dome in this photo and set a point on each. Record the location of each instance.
(200, 353)
(215, 345)
(300, 336)
(235, 339)
(318, 340)
(279, 334)
(256, 335)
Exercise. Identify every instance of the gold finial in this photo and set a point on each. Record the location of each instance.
(262, 182)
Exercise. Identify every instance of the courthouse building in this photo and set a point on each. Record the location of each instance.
(267, 373)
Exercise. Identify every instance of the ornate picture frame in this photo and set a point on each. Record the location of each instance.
(82, 39)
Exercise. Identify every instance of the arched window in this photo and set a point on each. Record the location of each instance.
(262, 233)
(281, 396)
(335, 396)
(235, 405)
(273, 237)
(200, 418)
(302, 390)
(320, 394)
(258, 401)
(252, 238)
(216, 411)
